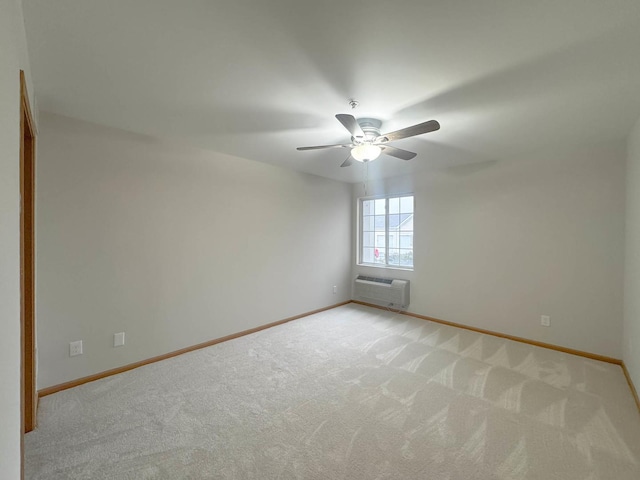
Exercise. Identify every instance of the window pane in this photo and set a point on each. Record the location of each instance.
(394, 256)
(381, 206)
(380, 225)
(406, 222)
(367, 239)
(406, 258)
(379, 255)
(368, 223)
(367, 207)
(394, 205)
(406, 240)
(367, 255)
(406, 204)
(394, 222)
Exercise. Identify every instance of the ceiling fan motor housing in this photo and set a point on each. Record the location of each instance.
(370, 127)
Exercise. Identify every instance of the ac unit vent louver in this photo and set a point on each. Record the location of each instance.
(389, 292)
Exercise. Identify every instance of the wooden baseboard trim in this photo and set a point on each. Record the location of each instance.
(97, 376)
(114, 371)
(550, 346)
(631, 385)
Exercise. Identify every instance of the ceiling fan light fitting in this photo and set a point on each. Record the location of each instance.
(365, 152)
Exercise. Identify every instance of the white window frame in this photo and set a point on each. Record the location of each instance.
(360, 233)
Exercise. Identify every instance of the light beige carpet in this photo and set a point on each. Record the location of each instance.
(351, 393)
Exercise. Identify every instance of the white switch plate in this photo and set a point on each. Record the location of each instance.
(75, 348)
(118, 339)
(335, 289)
(545, 320)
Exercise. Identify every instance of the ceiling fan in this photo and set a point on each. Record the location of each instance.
(367, 143)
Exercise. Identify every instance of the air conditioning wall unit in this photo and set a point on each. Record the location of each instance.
(389, 292)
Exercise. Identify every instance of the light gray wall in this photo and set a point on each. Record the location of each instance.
(499, 244)
(631, 346)
(173, 245)
(13, 58)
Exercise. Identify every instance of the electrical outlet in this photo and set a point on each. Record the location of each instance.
(118, 339)
(545, 320)
(335, 289)
(75, 348)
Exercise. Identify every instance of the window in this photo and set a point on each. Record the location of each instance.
(386, 231)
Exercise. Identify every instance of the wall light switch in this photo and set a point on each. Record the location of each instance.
(545, 320)
(118, 339)
(75, 348)
(335, 289)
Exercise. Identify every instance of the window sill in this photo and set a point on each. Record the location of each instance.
(385, 267)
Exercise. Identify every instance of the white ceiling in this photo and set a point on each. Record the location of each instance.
(257, 78)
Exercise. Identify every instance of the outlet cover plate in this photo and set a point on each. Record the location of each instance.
(118, 339)
(75, 348)
(545, 320)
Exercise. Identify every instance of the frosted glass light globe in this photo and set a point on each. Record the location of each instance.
(366, 152)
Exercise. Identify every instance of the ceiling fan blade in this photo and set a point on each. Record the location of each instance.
(318, 147)
(350, 123)
(347, 162)
(419, 129)
(398, 152)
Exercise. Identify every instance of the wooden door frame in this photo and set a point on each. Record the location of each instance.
(28, 394)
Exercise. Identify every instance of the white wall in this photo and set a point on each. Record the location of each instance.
(499, 244)
(631, 355)
(172, 245)
(13, 58)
